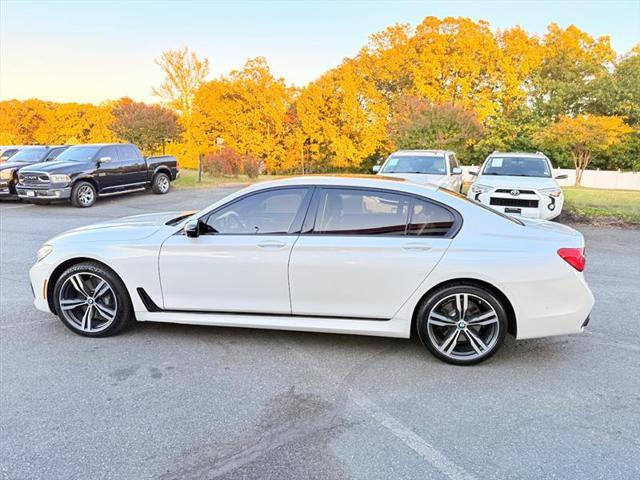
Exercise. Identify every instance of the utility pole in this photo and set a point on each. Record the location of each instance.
(200, 168)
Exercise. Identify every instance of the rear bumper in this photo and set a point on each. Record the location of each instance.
(49, 193)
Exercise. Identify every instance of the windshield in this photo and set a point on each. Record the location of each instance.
(480, 205)
(517, 167)
(78, 154)
(415, 164)
(31, 154)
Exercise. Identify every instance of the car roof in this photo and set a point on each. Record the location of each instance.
(368, 181)
(518, 154)
(421, 152)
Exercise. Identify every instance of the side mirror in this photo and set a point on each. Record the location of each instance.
(104, 159)
(561, 177)
(192, 228)
(475, 174)
(376, 168)
(456, 171)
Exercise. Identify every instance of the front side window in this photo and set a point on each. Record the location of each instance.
(426, 164)
(517, 167)
(265, 213)
(429, 219)
(109, 152)
(128, 154)
(361, 212)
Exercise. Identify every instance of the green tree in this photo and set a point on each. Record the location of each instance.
(148, 126)
(417, 124)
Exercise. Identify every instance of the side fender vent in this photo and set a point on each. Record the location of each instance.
(147, 302)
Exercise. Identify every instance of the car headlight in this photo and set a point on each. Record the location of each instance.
(477, 188)
(551, 192)
(43, 252)
(7, 174)
(59, 178)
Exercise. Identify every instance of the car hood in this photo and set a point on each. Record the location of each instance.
(504, 181)
(419, 178)
(136, 227)
(56, 166)
(14, 165)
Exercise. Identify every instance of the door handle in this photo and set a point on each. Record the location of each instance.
(416, 246)
(271, 244)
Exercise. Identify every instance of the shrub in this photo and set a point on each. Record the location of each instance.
(251, 167)
(226, 162)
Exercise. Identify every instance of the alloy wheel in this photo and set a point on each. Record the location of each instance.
(85, 195)
(88, 302)
(163, 183)
(463, 326)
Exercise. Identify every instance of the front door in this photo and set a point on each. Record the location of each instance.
(239, 263)
(109, 172)
(368, 252)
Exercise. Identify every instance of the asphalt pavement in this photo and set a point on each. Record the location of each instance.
(182, 402)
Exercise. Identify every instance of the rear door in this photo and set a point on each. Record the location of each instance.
(365, 252)
(134, 166)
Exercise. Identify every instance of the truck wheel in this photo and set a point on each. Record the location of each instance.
(160, 183)
(83, 195)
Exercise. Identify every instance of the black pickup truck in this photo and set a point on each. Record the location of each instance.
(24, 156)
(84, 172)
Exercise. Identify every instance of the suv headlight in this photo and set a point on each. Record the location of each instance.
(7, 174)
(478, 188)
(59, 178)
(552, 192)
(43, 252)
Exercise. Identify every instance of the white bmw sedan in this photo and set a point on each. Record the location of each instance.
(356, 255)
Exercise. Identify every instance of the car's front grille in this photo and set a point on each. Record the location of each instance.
(520, 192)
(28, 178)
(513, 202)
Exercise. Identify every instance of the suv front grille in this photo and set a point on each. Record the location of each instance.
(513, 202)
(509, 190)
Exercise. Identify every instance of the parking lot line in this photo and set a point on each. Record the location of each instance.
(405, 434)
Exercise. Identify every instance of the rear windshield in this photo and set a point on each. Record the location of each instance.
(78, 154)
(517, 167)
(430, 165)
(31, 154)
(480, 205)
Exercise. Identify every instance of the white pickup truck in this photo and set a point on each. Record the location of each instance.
(520, 184)
(438, 167)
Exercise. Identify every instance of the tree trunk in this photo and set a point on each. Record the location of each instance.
(581, 160)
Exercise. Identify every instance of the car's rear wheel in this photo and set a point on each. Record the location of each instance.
(462, 324)
(161, 183)
(91, 300)
(83, 195)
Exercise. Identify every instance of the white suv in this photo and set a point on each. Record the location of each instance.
(438, 167)
(518, 184)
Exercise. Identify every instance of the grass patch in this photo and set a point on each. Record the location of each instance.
(189, 179)
(598, 203)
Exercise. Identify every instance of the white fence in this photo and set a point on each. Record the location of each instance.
(612, 179)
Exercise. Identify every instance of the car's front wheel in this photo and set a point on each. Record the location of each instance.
(83, 195)
(91, 300)
(462, 324)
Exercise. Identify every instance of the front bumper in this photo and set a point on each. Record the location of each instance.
(546, 207)
(48, 192)
(39, 277)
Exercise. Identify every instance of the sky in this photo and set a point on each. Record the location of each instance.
(91, 51)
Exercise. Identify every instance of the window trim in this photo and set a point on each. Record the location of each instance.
(296, 224)
(309, 224)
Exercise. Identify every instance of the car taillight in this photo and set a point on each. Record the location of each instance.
(574, 257)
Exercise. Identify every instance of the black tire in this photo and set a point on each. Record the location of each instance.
(467, 350)
(161, 183)
(115, 299)
(83, 195)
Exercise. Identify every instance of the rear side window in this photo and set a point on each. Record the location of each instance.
(128, 154)
(429, 219)
(361, 212)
